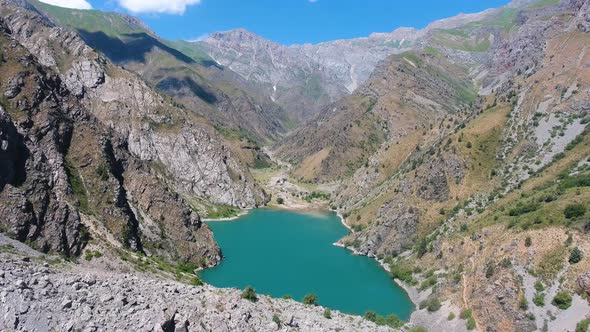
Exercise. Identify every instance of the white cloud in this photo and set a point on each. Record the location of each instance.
(77, 4)
(157, 6)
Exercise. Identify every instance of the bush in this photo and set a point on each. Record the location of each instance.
(539, 299)
(277, 320)
(470, 323)
(528, 242)
(402, 272)
(539, 286)
(576, 255)
(490, 269)
(451, 316)
(280, 200)
(431, 304)
(583, 325)
(371, 315)
(574, 211)
(466, 313)
(249, 294)
(327, 313)
(418, 329)
(562, 300)
(521, 209)
(310, 299)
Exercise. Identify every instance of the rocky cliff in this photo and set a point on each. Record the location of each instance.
(194, 158)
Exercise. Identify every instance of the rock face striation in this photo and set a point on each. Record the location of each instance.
(69, 177)
(195, 158)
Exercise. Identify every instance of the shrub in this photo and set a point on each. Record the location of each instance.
(470, 323)
(310, 299)
(528, 242)
(371, 315)
(402, 272)
(583, 325)
(249, 294)
(521, 209)
(574, 210)
(451, 316)
(389, 320)
(562, 300)
(418, 329)
(431, 304)
(539, 299)
(196, 281)
(287, 297)
(490, 268)
(523, 304)
(539, 286)
(327, 313)
(280, 200)
(576, 255)
(276, 319)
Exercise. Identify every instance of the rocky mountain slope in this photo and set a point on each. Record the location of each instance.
(178, 69)
(188, 151)
(473, 188)
(67, 178)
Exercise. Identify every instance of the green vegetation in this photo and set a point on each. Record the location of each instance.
(249, 294)
(317, 195)
(403, 272)
(77, 186)
(467, 314)
(576, 255)
(543, 3)
(539, 286)
(186, 267)
(327, 313)
(583, 325)
(310, 299)
(280, 200)
(539, 299)
(432, 304)
(222, 211)
(418, 329)
(562, 300)
(574, 211)
(528, 241)
(521, 209)
(551, 263)
(90, 254)
(390, 320)
(276, 320)
(451, 316)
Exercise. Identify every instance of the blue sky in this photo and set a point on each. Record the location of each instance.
(290, 21)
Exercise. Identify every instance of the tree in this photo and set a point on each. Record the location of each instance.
(249, 294)
(576, 255)
(311, 299)
(574, 210)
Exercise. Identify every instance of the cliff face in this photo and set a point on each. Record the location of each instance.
(197, 160)
(76, 168)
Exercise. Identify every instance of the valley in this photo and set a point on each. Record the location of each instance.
(421, 179)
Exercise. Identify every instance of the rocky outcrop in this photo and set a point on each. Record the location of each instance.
(195, 157)
(66, 177)
(37, 296)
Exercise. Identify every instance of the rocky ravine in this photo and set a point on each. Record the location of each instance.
(38, 296)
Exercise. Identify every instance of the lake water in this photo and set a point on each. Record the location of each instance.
(288, 253)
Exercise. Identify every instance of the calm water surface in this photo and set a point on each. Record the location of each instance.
(288, 253)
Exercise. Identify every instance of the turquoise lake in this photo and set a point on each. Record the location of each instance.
(288, 253)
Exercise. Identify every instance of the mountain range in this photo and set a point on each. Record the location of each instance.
(457, 154)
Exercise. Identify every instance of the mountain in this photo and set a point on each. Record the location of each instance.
(457, 155)
(178, 69)
(459, 164)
